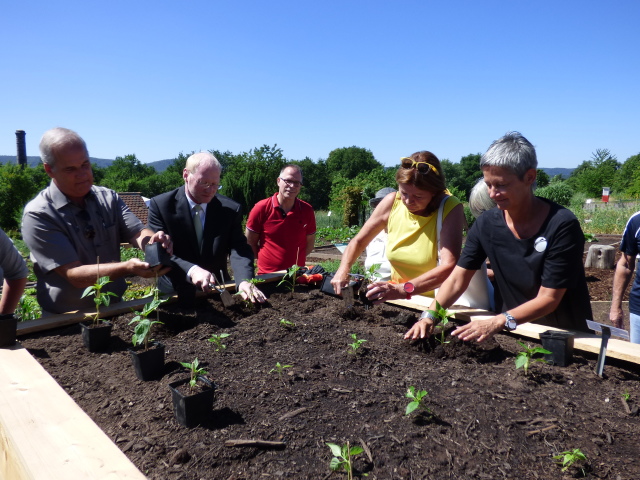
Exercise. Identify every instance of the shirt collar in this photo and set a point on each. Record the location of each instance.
(193, 204)
(276, 204)
(59, 199)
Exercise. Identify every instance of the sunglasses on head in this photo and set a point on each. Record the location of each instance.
(422, 167)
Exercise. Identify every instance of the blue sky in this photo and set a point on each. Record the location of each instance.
(159, 78)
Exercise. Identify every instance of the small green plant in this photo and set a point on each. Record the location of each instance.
(569, 458)
(135, 291)
(28, 307)
(442, 315)
(287, 324)
(417, 400)
(371, 274)
(100, 298)
(626, 396)
(142, 330)
(217, 341)
(525, 358)
(357, 343)
(590, 238)
(194, 370)
(279, 368)
(255, 281)
(246, 302)
(289, 279)
(342, 457)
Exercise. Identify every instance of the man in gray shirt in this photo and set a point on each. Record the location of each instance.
(74, 229)
(13, 270)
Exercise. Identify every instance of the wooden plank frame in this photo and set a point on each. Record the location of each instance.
(43, 432)
(586, 342)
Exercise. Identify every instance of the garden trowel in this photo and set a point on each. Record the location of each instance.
(225, 296)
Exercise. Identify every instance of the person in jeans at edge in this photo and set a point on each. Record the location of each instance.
(534, 246)
(629, 247)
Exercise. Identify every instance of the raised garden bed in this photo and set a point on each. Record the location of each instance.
(489, 420)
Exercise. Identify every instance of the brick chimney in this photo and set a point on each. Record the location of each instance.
(22, 148)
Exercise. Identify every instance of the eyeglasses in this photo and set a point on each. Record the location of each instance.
(208, 185)
(89, 231)
(291, 183)
(422, 167)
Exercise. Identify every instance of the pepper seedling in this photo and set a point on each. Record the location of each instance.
(100, 298)
(289, 278)
(525, 358)
(287, 324)
(142, 331)
(217, 341)
(194, 370)
(357, 343)
(417, 400)
(342, 457)
(279, 368)
(569, 458)
(442, 315)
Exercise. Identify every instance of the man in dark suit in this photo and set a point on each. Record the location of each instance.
(206, 229)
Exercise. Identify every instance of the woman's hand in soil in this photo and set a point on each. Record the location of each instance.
(423, 328)
(379, 292)
(339, 281)
(250, 292)
(480, 330)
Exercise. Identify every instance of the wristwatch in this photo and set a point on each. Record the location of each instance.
(408, 289)
(429, 315)
(510, 324)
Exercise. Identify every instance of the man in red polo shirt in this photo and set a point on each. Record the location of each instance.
(282, 229)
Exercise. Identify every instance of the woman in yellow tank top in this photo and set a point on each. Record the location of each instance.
(410, 218)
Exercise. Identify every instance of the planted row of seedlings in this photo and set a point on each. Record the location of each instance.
(193, 397)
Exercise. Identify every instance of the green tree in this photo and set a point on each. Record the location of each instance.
(126, 174)
(17, 187)
(628, 177)
(251, 176)
(592, 175)
(542, 178)
(350, 161)
(559, 192)
(317, 183)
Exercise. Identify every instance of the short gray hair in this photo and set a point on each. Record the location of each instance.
(197, 159)
(297, 168)
(511, 151)
(479, 199)
(57, 138)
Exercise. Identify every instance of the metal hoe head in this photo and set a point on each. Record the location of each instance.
(225, 296)
(607, 331)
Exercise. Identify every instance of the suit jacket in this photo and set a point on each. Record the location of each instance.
(222, 238)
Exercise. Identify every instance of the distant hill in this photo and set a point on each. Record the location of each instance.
(552, 172)
(35, 161)
(160, 165)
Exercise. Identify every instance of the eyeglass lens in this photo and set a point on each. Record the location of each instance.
(291, 183)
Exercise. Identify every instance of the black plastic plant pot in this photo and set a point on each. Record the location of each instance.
(96, 338)
(149, 364)
(560, 344)
(8, 327)
(192, 409)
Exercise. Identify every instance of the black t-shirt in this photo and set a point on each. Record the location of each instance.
(551, 258)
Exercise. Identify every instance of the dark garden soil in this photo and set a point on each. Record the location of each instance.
(486, 420)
